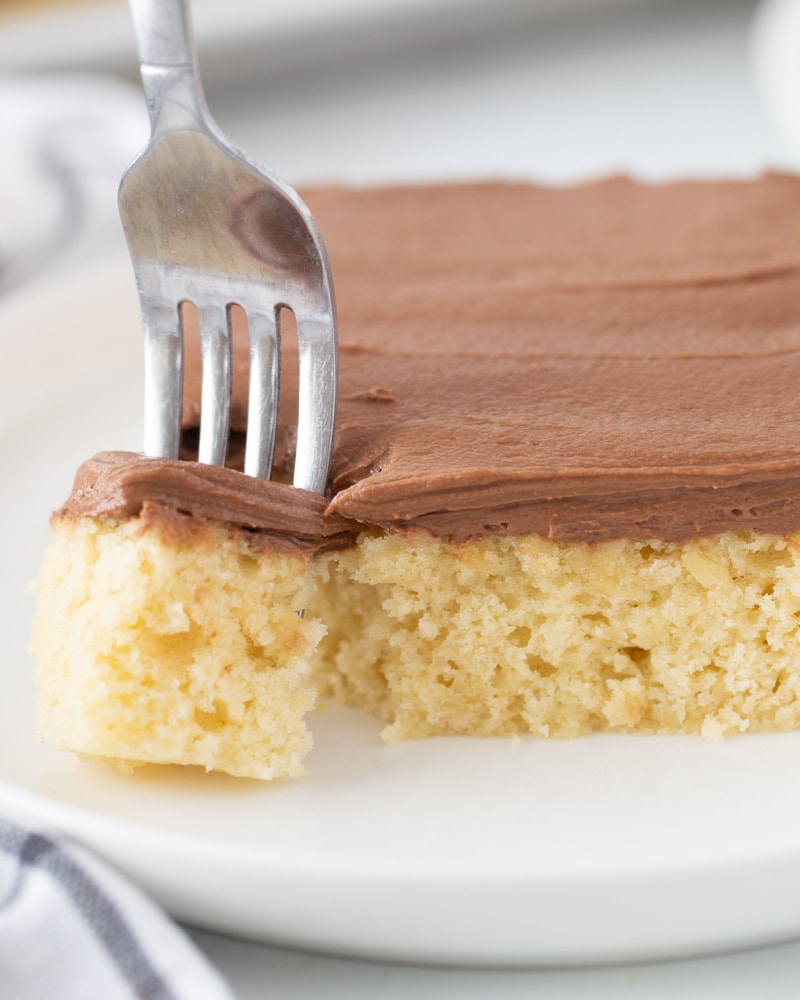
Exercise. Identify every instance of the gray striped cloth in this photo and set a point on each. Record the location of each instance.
(73, 929)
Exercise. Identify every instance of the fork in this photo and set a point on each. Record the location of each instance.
(205, 226)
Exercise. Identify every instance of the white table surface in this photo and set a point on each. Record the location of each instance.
(255, 972)
(655, 87)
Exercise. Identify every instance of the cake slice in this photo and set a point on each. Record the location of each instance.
(564, 495)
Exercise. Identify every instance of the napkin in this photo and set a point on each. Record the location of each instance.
(73, 929)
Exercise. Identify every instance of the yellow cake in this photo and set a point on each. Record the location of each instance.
(563, 496)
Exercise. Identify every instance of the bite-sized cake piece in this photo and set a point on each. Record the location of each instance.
(565, 494)
(167, 633)
(198, 655)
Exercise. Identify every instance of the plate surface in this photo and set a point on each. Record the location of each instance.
(495, 852)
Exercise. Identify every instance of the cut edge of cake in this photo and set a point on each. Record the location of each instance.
(153, 646)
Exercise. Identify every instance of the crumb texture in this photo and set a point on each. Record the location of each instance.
(527, 635)
(148, 650)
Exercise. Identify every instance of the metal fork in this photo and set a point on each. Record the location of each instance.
(205, 226)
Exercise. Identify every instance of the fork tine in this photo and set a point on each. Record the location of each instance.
(262, 407)
(317, 402)
(215, 393)
(202, 221)
(163, 382)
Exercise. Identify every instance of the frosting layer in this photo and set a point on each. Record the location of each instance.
(121, 485)
(614, 359)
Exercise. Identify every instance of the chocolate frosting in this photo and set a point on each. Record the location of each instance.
(614, 359)
(184, 495)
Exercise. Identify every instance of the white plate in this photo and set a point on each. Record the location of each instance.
(445, 850)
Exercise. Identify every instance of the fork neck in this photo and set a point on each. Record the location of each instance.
(175, 99)
(168, 62)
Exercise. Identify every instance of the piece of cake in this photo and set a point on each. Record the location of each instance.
(563, 497)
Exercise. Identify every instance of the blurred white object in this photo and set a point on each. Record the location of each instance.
(237, 37)
(776, 63)
(66, 141)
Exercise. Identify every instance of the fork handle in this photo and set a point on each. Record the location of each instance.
(168, 62)
(163, 33)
